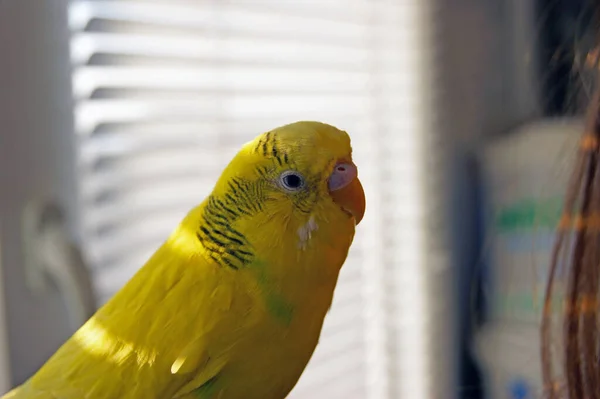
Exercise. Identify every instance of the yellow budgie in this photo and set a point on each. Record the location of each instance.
(232, 304)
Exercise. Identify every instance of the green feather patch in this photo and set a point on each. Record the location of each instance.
(277, 305)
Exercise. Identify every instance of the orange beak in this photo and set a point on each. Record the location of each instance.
(347, 191)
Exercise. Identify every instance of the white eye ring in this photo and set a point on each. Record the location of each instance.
(291, 180)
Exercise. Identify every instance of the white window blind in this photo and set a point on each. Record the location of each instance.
(166, 92)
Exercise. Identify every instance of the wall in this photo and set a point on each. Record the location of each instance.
(36, 162)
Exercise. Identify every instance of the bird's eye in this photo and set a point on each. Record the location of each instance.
(291, 180)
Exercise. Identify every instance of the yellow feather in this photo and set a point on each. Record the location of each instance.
(232, 304)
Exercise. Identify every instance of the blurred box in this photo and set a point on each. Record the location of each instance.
(525, 175)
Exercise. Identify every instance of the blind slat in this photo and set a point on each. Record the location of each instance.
(201, 47)
(209, 16)
(208, 78)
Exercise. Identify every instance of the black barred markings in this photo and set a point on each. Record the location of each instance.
(269, 149)
(225, 244)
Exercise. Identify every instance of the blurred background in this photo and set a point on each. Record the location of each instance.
(117, 116)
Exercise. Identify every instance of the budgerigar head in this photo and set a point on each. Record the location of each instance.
(294, 188)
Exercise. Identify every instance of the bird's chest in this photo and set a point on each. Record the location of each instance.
(274, 355)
